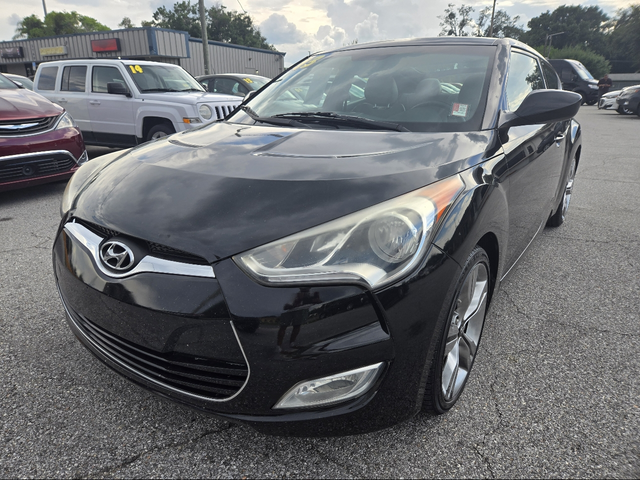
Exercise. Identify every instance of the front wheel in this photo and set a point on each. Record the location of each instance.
(558, 218)
(159, 131)
(460, 335)
(624, 110)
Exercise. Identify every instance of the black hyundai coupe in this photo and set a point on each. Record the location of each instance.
(321, 262)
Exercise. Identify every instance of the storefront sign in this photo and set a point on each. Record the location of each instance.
(11, 52)
(106, 45)
(50, 51)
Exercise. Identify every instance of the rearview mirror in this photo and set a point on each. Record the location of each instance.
(118, 88)
(542, 106)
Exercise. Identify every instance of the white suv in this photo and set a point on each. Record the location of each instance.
(121, 103)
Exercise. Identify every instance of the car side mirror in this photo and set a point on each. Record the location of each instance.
(118, 88)
(542, 106)
(249, 94)
(19, 84)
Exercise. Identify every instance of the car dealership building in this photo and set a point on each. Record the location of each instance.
(22, 57)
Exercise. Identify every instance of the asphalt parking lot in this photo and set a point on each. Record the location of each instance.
(554, 391)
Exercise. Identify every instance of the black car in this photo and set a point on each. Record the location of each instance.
(236, 84)
(576, 78)
(629, 100)
(321, 262)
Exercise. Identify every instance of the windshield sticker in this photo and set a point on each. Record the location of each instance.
(310, 62)
(248, 80)
(459, 109)
(135, 68)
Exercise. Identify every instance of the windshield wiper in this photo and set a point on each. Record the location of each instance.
(160, 90)
(191, 90)
(271, 120)
(347, 120)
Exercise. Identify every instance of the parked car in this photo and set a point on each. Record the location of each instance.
(629, 100)
(20, 80)
(576, 78)
(323, 265)
(235, 84)
(121, 103)
(608, 100)
(39, 141)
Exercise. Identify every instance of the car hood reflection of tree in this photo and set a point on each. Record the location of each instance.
(227, 188)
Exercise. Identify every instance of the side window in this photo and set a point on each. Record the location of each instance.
(103, 75)
(74, 79)
(524, 77)
(224, 85)
(47, 80)
(205, 84)
(550, 76)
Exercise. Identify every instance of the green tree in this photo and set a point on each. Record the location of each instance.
(222, 25)
(582, 26)
(456, 23)
(126, 23)
(57, 23)
(503, 25)
(624, 40)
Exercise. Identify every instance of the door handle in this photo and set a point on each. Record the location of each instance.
(558, 138)
(94, 102)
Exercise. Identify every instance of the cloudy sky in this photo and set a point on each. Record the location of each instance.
(298, 27)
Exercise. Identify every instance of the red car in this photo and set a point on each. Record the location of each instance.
(39, 141)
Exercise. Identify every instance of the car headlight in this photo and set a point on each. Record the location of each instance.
(595, 87)
(374, 246)
(65, 121)
(205, 112)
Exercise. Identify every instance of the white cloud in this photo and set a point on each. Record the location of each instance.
(367, 30)
(277, 29)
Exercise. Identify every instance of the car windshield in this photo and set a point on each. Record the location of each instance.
(6, 83)
(163, 78)
(254, 83)
(417, 88)
(583, 72)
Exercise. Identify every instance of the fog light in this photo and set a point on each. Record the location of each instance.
(83, 158)
(332, 389)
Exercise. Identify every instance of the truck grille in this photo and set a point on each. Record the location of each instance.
(223, 110)
(33, 168)
(204, 378)
(9, 128)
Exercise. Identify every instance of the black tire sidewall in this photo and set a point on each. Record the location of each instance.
(161, 127)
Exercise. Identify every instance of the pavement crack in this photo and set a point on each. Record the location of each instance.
(484, 459)
(517, 307)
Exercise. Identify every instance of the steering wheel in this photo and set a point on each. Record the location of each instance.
(442, 109)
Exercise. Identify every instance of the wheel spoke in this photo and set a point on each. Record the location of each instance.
(450, 371)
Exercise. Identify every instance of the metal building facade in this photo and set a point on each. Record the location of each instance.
(149, 43)
(228, 58)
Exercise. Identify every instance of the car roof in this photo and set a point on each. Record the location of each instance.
(240, 75)
(439, 41)
(84, 61)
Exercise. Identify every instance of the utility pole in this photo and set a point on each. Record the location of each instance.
(44, 6)
(205, 40)
(550, 38)
(493, 14)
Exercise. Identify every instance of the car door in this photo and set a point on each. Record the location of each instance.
(534, 156)
(112, 116)
(72, 95)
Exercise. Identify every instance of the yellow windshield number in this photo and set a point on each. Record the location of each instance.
(248, 80)
(135, 68)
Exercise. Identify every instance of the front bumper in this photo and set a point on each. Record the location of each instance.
(36, 159)
(230, 347)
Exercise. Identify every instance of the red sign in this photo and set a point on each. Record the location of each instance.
(107, 45)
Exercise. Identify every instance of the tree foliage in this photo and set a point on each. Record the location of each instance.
(624, 45)
(222, 25)
(582, 26)
(459, 23)
(57, 23)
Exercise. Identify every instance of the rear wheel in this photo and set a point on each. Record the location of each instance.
(558, 218)
(623, 110)
(460, 335)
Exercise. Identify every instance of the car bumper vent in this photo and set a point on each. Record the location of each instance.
(223, 110)
(20, 170)
(203, 378)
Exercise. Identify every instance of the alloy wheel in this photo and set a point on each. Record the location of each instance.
(465, 328)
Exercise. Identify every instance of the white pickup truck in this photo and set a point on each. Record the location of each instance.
(121, 103)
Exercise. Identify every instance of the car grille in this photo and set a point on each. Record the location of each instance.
(223, 110)
(26, 127)
(33, 168)
(211, 379)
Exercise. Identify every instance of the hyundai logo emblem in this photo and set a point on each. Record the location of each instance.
(116, 255)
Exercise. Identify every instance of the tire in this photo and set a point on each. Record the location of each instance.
(558, 218)
(460, 334)
(159, 131)
(624, 111)
(592, 102)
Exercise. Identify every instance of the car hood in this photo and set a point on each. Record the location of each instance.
(192, 98)
(223, 189)
(23, 104)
